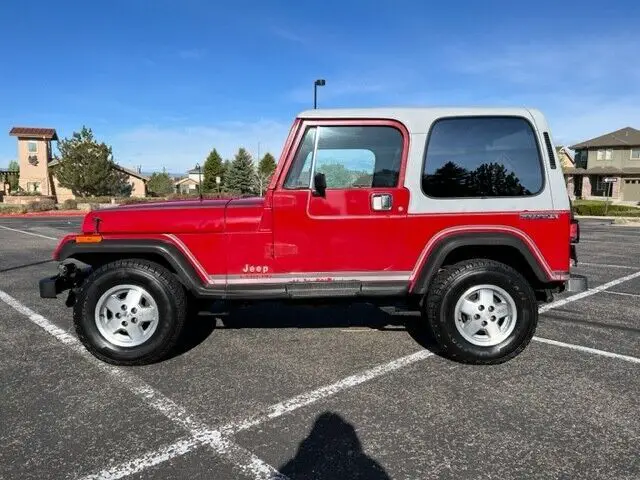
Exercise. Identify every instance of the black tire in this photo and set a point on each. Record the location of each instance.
(165, 289)
(447, 288)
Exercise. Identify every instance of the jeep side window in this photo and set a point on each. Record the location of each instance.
(349, 157)
(482, 157)
(299, 175)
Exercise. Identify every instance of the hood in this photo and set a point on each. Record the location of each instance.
(169, 216)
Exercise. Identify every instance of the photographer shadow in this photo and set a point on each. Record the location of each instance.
(332, 450)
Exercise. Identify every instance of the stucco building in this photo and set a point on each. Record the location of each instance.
(37, 165)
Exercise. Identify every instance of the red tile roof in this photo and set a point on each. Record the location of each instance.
(30, 132)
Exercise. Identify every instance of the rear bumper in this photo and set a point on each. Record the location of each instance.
(577, 283)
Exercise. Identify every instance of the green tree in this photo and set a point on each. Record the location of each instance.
(160, 184)
(14, 179)
(86, 167)
(266, 167)
(213, 168)
(241, 174)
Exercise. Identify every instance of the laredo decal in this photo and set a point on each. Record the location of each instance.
(255, 269)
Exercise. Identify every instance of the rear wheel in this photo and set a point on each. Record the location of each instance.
(481, 311)
(130, 312)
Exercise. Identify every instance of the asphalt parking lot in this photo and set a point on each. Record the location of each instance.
(322, 393)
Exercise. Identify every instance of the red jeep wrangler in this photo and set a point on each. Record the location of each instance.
(461, 213)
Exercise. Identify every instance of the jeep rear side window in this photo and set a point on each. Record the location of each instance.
(349, 157)
(482, 157)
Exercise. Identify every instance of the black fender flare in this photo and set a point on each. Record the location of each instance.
(183, 268)
(445, 246)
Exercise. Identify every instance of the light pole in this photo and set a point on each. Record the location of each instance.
(199, 179)
(318, 83)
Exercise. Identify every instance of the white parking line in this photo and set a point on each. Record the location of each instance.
(184, 446)
(28, 233)
(244, 460)
(624, 294)
(588, 293)
(606, 265)
(580, 348)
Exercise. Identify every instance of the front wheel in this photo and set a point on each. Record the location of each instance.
(481, 311)
(130, 312)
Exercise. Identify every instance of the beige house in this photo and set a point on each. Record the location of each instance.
(614, 157)
(37, 166)
(191, 182)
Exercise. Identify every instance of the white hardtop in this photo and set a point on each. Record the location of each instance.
(418, 119)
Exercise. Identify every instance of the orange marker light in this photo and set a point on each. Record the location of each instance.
(88, 238)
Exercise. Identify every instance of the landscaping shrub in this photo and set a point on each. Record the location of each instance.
(93, 199)
(43, 205)
(12, 209)
(70, 204)
(598, 209)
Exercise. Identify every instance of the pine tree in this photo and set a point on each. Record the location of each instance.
(14, 177)
(240, 178)
(213, 168)
(266, 167)
(86, 167)
(160, 184)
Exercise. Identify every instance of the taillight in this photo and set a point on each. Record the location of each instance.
(574, 231)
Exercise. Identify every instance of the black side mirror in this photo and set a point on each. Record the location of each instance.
(319, 184)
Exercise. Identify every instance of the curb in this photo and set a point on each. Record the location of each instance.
(55, 213)
(608, 217)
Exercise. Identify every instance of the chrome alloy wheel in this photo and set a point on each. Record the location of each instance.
(126, 315)
(485, 315)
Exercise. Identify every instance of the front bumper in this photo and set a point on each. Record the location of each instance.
(70, 276)
(577, 283)
(51, 287)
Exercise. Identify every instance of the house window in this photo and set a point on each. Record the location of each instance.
(635, 154)
(32, 147)
(604, 154)
(33, 187)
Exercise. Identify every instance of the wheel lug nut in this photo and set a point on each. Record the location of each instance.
(491, 309)
(124, 324)
(476, 316)
(133, 310)
(134, 320)
(484, 324)
(124, 307)
(493, 318)
(481, 307)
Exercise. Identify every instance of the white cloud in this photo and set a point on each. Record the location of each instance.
(179, 148)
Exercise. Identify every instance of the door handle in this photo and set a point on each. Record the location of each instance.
(381, 201)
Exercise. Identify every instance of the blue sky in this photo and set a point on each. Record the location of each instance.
(164, 81)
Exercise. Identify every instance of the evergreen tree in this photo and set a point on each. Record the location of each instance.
(160, 184)
(240, 178)
(213, 168)
(266, 167)
(86, 167)
(14, 178)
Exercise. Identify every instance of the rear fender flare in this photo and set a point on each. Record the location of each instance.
(435, 254)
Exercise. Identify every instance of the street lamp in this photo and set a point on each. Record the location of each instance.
(318, 83)
(199, 179)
